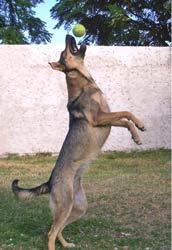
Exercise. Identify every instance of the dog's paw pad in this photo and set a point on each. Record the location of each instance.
(139, 143)
(137, 140)
(142, 128)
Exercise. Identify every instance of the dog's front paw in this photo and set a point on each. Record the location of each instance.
(141, 126)
(137, 140)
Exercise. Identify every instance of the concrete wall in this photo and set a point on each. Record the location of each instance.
(33, 97)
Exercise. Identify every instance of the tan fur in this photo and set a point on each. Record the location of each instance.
(88, 107)
(89, 127)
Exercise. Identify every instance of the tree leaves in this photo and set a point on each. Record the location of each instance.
(18, 24)
(120, 22)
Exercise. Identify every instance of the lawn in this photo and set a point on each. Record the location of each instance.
(128, 195)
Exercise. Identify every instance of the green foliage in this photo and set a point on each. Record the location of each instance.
(18, 24)
(120, 22)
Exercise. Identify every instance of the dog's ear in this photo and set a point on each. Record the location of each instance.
(57, 66)
(82, 50)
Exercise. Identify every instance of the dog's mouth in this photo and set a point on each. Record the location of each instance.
(71, 44)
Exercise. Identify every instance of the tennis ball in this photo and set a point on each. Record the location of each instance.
(79, 30)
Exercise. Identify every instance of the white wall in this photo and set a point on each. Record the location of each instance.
(33, 97)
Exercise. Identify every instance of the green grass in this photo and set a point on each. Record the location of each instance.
(129, 203)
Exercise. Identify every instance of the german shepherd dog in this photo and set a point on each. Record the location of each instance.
(90, 121)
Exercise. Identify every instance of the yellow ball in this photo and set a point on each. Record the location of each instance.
(79, 30)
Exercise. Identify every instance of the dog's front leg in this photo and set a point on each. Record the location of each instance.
(109, 118)
(118, 119)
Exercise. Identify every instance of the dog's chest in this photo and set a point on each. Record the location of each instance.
(87, 105)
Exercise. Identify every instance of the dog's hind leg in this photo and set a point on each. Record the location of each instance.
(61, 202)
(79, 208)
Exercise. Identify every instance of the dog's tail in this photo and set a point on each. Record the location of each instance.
(26, 193)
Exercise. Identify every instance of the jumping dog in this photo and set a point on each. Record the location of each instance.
(90, 121)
